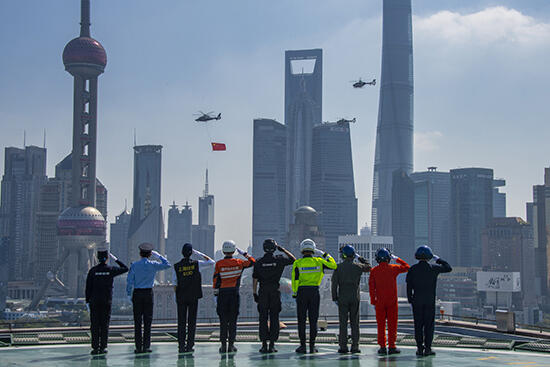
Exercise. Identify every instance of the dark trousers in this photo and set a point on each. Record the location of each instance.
(424, 320)
(228, 311)
(143, 314)
(269, 307)
(307, 305)
(100, 315)
(348, 309)
(187, 322)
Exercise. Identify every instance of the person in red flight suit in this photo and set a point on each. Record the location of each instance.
(383, 296)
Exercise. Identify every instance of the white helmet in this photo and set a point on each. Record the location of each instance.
(307, 245)
(228, 246)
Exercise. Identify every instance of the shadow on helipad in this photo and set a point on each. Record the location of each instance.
(206, 354)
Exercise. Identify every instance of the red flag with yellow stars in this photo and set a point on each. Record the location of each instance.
(218, 146)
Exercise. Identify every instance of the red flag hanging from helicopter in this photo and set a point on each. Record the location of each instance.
(206, 118)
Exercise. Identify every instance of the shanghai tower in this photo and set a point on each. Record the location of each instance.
(394, 133)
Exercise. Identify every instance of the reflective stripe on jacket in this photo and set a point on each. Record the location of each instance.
(308, 271)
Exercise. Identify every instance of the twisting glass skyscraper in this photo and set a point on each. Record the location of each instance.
(394, 134)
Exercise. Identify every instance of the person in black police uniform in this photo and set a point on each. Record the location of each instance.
(268, 271)
(188, 292)
(421, 285)
(99, 293)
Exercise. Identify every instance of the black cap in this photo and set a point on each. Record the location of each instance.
(102, 256)
(187, 250)
(146, 247)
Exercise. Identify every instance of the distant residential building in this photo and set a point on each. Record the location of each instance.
(303, 109)
(269, 214)
(508, 247)
(332, 183)
(499, 199)
(541, 231)
(432, 193)
(24, 174)
(366, 246)
(402, 202)
(180, 224)
(471, 211)
(147, 223)
(164, 307)
(460, 286)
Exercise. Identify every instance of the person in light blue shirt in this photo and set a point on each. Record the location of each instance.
(139, 286)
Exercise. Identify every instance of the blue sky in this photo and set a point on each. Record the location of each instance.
(481, 87)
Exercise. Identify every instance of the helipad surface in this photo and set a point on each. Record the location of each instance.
(206, 354)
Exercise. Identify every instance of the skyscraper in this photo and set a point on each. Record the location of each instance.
(471, 211)
(332, 186)
(180, 224)
(541, 231)
(119, 236)
(394, 133)
(269, 216)
(508, 247)
(24, 174)
(203, 233)
(303, 108)
(403, 215)
(146, 223)
(499, 199)
(432, 193)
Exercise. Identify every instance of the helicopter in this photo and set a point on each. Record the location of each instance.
(344, 121)
(204, 117)
(360, 83)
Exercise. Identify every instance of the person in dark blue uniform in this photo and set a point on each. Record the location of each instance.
(267, 272)
(99, 295)
(421, 285)
(188, 289)
(139, 285)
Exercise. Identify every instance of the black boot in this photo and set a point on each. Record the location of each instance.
(231, 348)
(271, 348)
(382, 351)
(393, 351)
(301, 349)
(312, 348)
(263, 349)
(223, 348)
(429, 352)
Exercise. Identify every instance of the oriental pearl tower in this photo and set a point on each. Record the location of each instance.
(81, 228)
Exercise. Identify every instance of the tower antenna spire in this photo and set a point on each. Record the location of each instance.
(135, 138)
(24, 138)
(206, 184)
(85, 18)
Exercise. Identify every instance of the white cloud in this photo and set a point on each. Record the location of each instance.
(491, 25)
(427, 141)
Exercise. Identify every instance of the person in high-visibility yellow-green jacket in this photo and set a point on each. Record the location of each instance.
(307, 274)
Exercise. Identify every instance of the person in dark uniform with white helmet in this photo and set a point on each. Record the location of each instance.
(345, 292)
(139, 286)
(188, 280)
(267, 272)
(421, 285)
(99, 295)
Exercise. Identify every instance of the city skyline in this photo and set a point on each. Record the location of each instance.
(120, 114)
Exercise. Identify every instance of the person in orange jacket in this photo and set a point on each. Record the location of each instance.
(383, 296)
(226, 283)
